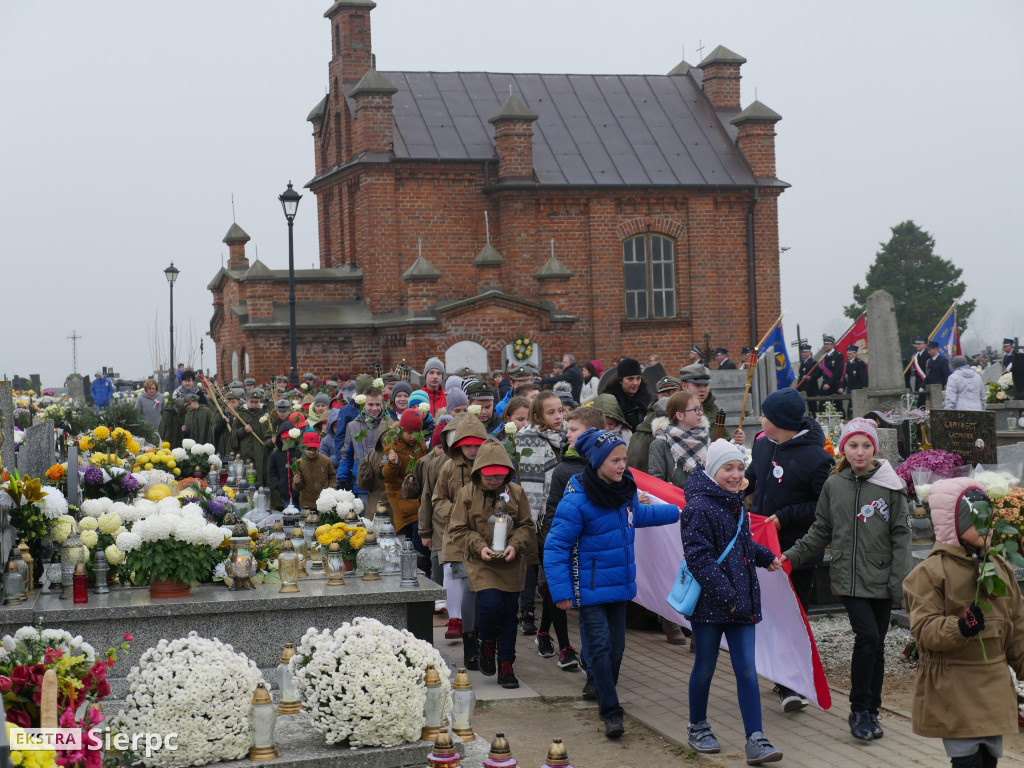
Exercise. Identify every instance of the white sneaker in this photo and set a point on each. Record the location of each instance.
(440, 606)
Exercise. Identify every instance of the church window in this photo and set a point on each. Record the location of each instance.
(649, 275)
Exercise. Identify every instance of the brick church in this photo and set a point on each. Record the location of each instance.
(603, 215)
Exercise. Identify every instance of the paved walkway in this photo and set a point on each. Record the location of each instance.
(653, 689)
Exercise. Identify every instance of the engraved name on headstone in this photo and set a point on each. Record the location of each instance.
(969, 434)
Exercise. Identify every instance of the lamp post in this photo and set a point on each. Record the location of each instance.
(290, 203)
(171, 273)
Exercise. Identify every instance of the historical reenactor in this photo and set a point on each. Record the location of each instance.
(807, 378)
(918, 369)
(253, 437)
(832, 368)
(722, 358)
(696, 355)
(1008, 348)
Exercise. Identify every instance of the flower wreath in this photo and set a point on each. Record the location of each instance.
(522, 348)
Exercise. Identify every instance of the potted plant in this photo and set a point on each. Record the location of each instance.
(171, 549)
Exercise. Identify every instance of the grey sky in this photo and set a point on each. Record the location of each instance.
(127, 126)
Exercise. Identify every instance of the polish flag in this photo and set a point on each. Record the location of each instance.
(785, 651)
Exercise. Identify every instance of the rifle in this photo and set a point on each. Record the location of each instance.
(231, 410)
(210, 392)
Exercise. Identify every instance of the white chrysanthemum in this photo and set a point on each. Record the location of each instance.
(179, 454)
(109, 523)
(139, 509)
(197, 450)
(106, 504)
(169, 505)
(195, 687)
(89, 538)
(208, 449)
(61, 528)
(188, 444)
(215, 462)
(129, 542)
(192, 510)
(363, 683)
(91, 507)
(88, 523)
(114, 555)
(212, 536)
(53, 504)
(190, 530)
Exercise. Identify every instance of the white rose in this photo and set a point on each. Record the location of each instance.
(264, 418)
(510, 429)
(424, 408)
(294, 433)
(360, 400)
(378, 384)
(474, 409)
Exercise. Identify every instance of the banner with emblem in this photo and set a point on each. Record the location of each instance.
(947, 334)
(775, 345)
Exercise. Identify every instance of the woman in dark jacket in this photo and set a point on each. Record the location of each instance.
(630, 391)
(730, 599)
(281, 491)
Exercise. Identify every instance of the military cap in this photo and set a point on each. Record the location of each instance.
(695, 374)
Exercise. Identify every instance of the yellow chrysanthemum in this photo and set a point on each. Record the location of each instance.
(158, 492)
(86, 443)
(101, 433)
(165, 445)
(177, 472)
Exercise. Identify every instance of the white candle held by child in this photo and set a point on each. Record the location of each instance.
(498, 541)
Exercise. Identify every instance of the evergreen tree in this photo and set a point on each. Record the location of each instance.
(922, 283)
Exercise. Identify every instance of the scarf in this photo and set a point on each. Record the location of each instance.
(611, 495)
(689, 447)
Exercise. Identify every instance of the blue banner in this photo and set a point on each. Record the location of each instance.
(948, 336)
(775, 344)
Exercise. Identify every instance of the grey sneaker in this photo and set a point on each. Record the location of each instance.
(700, 737)
(760, 750)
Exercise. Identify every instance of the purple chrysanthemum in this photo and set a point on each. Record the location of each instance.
(129, 483)
(216, 505)
(93, 476)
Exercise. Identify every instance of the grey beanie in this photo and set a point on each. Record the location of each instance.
(452, 382)
(720, 453)
(322, 397)
(433, 363)
(958, 361)
(454, 398)
(402, 386)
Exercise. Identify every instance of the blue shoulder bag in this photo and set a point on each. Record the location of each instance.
(686, 589)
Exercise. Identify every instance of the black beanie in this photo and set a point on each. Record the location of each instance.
(784, 408)
(629, 367)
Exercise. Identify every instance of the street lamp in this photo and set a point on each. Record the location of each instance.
(171, 273)
(290, 203)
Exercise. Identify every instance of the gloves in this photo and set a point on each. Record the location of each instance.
(344, 485)
(972, 621)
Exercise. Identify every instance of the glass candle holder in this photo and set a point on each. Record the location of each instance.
(334, 565)
(262, 719)
(288, 568)
(80, 584)
(370, 560)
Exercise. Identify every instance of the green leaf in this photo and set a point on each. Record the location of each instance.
(1014, 556)
(985, 606)
(998, 587)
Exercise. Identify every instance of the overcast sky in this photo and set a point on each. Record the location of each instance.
(126, 127)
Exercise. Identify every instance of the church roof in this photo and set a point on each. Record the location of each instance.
(616, 130)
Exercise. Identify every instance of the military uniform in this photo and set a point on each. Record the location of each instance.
(832, 368)
(249, 446)
(856, 377)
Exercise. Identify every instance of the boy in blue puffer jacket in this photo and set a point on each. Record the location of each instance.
(588, 558)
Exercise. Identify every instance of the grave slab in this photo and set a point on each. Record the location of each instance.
(971, 435)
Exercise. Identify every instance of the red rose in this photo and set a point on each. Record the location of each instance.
(5, 683)
(19, 717)
(128, 637)
(20, 677)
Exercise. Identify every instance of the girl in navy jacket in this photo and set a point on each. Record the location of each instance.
(730, 598)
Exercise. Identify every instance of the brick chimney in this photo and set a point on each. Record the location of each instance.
(513, 139)
(721, 78)
(374, 124)
(236, 238)
(350, 38)
(756, 137)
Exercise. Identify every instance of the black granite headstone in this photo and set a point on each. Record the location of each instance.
(971, 435)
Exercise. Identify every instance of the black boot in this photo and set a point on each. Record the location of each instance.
(971, 761)
(988, 760)
(488, 657)
(470, 650)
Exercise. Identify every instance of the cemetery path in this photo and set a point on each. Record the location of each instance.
(653, 690)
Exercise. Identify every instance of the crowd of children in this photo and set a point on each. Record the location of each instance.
(518, 492)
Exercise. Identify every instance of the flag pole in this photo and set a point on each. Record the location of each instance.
(818, 361)
(770, 330)
(936, 328)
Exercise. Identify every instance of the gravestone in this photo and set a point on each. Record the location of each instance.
(992, 372)
(888, 446)
(37, 451)
(75, 387)
(971, 435)
(7, 417)
(885, 369)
